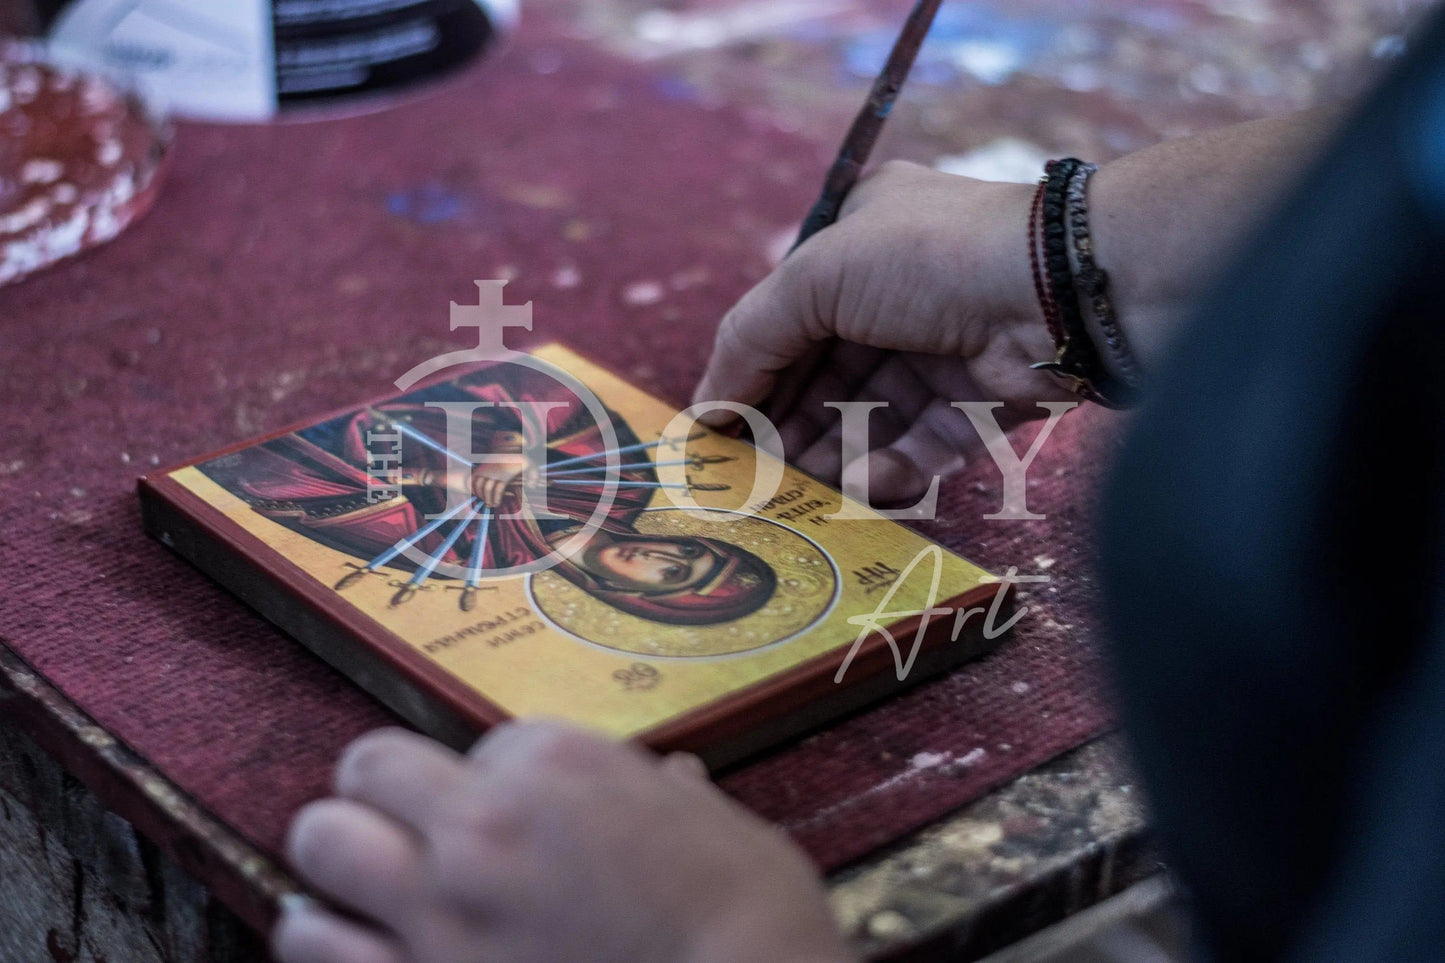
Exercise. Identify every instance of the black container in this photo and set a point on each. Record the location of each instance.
(248, 60)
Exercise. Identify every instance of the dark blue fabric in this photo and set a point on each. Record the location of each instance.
(1273, 560)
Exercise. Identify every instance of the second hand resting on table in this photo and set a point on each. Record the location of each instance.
(545, 844)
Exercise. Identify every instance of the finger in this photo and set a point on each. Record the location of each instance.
(358, 857)
(772, 327)
(894, 383)
(804, 415)
(800, 429)
(824, 459)
(686, 765)
(943, 376)
(890, 478)
(547, 743)
(904, 470)
(940, 437)
(938, 441)
(306, 933)
(401, 774)
(792, 383)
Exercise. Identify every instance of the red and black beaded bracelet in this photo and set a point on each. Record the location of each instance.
(1077, 359)
(1041, 289)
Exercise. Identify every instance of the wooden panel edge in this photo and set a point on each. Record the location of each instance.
(422, 692)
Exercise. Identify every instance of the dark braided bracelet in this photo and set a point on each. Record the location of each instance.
(1077, 360)
(1093, 281)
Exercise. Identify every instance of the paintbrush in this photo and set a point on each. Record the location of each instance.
(846, 168)
(863, 133)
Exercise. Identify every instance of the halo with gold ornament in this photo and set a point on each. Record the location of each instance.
(807, 588)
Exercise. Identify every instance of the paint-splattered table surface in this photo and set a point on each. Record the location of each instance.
(1001, 83)
(250, 298)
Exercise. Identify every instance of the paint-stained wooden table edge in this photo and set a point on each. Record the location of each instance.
(1052, 842)
(240, 875)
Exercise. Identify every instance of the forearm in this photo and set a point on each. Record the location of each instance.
(1163, 218)
(936, 267)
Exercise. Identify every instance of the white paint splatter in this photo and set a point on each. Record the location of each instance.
(642, 293)
(660, 33)
(25, 84)
(683, 280)
(991, 61)
(1004, 159)
(972, 757)
(24, 216)
(40, 170)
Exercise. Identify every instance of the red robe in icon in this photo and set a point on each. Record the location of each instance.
(315, 481)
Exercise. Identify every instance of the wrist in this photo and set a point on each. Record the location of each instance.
(1013, 299)
(1092, 355)
(1016, 334)
(1143, 297)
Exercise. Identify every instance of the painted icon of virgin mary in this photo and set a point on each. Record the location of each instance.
(315, 481)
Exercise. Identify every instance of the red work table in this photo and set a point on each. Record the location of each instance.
(632, 173)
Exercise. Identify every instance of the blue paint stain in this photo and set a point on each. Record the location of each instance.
(864, 56)
(426, 204)
(675, 88)
(966, 43)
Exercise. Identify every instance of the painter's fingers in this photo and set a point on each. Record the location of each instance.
(685, 765)
(539, 744)
(801, 423)
(359, 858)
(773, 326)
(402, 774)
(894, 390)
(306, 933)
(902, 471)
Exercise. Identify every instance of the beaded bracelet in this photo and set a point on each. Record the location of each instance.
(1041, 290)
(1093, 281)
(1077, 360)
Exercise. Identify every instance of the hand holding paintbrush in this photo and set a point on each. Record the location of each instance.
(871, 311)
(848, 166)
